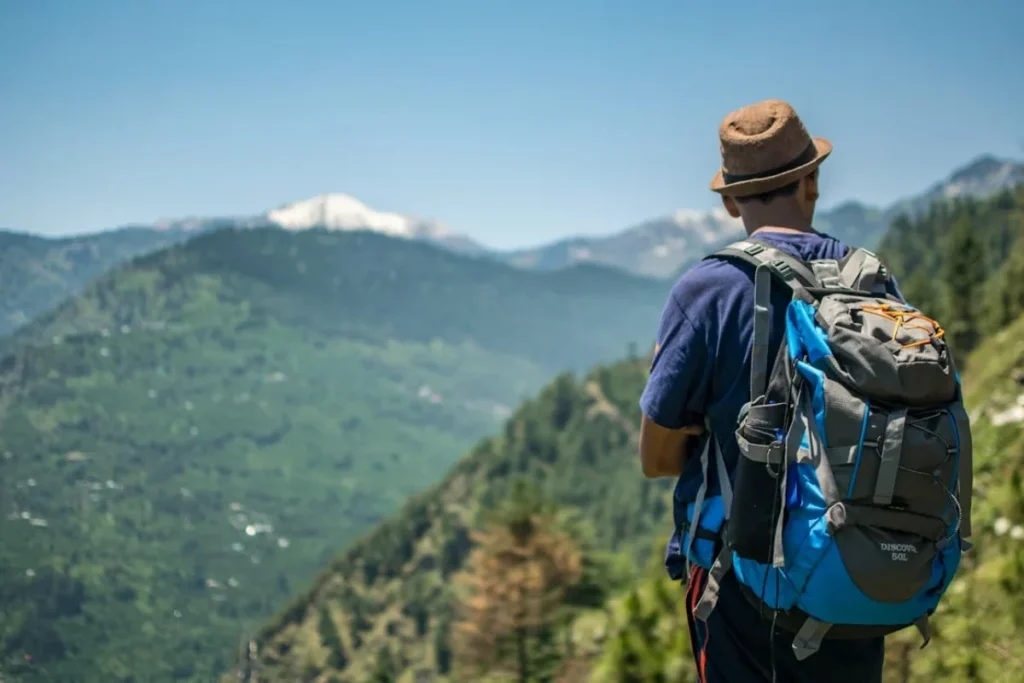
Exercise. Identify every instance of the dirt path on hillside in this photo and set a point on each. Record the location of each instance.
(602, 406)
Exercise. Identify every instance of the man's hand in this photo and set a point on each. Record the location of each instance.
(662, 450)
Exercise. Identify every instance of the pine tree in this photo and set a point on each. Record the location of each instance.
(385, 669)
(442, 649)
(1006, 289)
(331, 639)
(515, 582)
(965, 277)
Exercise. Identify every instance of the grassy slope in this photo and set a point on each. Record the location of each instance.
(219, 386)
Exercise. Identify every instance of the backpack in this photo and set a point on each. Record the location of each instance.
(849, 506)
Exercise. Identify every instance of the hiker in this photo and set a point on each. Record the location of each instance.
(700, 381)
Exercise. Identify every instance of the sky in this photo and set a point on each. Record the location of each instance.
(516, 122)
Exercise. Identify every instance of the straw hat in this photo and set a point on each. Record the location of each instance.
(764, 147)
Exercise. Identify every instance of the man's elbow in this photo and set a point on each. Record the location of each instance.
(650, 471)
(651, 467)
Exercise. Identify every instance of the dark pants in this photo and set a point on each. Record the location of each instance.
(736, 645)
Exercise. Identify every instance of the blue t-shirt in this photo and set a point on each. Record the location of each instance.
(701, 369)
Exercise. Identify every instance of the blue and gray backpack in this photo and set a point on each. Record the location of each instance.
(849, 507)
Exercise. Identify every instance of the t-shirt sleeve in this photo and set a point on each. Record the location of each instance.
(676, 391)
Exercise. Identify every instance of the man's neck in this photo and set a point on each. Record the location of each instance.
(776, 222)
(777, 228)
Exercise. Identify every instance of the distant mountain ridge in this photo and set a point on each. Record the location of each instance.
(662, 247)
(37, 273)
(655, 248)
(335, 211)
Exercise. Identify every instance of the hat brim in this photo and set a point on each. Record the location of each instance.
(746, 188)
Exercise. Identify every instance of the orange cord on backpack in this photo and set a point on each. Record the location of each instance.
(906, 319)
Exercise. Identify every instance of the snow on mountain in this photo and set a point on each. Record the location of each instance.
(333, 211)
(343, 212)
(659, 247)
(336, 211)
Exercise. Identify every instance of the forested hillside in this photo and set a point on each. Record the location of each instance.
(38, 273)
(398, 604)
(186, 443)
(389, 596)
(963, 261)
(467, 584)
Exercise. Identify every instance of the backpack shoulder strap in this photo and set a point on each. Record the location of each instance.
(787, 269)
(862, 270)
(768, 263)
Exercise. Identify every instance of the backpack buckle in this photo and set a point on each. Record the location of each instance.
(754, 249)
(782, 268)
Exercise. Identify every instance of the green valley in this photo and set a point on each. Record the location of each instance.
(187, 442)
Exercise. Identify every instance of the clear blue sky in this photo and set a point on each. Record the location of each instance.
(515, 121)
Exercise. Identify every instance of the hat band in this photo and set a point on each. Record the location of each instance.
(804, 157)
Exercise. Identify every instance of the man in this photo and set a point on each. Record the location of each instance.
(700, 375)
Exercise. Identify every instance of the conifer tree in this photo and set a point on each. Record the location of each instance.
(515, 582)
(1006, 289)
(331, 639)
(385, 669)
(965, 277)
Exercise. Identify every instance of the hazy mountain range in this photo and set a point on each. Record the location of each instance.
(36, 273)
(662, 246)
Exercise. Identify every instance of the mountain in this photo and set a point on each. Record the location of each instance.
(665, 246)
(186, 442)
(342, 212)
(392, 605)
(985, 176)
(655, 248)
(37, 273)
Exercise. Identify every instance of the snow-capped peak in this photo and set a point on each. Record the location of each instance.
(710, 225)
(342, 212)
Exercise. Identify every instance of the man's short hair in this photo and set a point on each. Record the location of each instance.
(787, 190)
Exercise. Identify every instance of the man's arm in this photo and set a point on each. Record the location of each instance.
(662, 450)
(673, 400)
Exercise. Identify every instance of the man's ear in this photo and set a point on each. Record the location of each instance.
(731, 206)
(811, 187)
